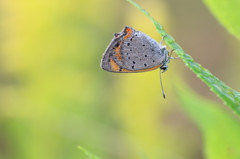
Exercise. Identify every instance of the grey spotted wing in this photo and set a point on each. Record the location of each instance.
(140, 52)
(109, 57)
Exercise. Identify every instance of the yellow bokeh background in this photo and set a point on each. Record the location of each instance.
(54, 96)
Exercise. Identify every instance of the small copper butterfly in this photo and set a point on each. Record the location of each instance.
(132, 51)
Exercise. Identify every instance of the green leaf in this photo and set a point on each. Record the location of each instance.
(228, 95)
(220, 129)
(228, 13)
(90, 156)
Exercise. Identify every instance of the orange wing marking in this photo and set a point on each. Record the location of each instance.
(117, 51)
(128, 31)
(143, 70)
(114, 66)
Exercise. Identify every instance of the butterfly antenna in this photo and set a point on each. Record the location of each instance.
(163, 94)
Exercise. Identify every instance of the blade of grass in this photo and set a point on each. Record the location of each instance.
(90, 156)
(229, 96)
(219, 128)
(227, 13)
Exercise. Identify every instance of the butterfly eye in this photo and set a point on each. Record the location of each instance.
(164, 68)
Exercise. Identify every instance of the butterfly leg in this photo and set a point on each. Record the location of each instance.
(162, 39)
(170, 55)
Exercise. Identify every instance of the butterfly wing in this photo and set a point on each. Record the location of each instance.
(132, 51)
(112, 51)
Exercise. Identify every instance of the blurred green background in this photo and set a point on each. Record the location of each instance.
(54, 96)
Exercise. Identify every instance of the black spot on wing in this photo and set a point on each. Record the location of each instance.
(117, 44)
